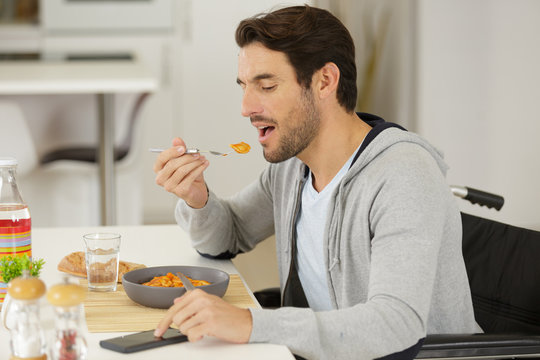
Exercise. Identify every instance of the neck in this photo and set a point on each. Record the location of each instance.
(338, 138)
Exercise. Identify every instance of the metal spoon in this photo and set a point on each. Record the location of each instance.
(194, 151)
(187, 284)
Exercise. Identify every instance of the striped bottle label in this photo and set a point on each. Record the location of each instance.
(15, 240)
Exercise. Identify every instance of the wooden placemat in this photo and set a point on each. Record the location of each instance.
(115, 311)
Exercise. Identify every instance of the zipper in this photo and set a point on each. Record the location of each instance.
(335, 258)
(335, 229)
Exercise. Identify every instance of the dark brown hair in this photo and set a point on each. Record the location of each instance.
(310, 38)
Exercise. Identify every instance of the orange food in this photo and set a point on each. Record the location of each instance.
(171, 280)
(241, 148)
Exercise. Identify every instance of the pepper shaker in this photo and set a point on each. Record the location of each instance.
(69, 342)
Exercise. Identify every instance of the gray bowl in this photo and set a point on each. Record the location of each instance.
(163, 297)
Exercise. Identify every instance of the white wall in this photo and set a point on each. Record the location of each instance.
(477, 100)
(384, 39)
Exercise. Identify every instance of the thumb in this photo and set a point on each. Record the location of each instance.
(178, 142)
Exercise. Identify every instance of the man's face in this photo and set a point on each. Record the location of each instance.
(284, 113)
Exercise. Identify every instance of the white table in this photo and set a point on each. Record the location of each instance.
(102, 78)
(152, 246)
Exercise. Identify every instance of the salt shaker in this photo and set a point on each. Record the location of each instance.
(27, 337)
(69, 342)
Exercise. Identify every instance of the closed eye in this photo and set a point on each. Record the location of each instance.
(269, 88)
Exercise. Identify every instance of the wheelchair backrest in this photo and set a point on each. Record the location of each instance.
(503, 265)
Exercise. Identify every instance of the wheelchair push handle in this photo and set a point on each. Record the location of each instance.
(479, 197)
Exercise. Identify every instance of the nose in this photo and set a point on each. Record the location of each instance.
(250, 103)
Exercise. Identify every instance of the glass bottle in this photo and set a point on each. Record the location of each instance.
(27, 338)
(69, 342)
(15, 221)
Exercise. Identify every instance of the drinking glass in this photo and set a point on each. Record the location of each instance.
(102, 252)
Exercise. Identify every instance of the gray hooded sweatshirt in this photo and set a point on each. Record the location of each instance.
(393, 258)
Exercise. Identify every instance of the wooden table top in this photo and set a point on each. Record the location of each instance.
(116, 312)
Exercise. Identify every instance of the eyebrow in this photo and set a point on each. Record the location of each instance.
(257, 78)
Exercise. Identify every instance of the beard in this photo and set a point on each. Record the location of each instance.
(296, 135)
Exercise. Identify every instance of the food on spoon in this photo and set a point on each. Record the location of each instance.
(171, 280)
(75, 264)
(241, 148)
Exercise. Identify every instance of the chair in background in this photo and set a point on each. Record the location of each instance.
(15, 138)
(64, 189)
(90, 153)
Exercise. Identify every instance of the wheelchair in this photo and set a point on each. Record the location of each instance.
(503, 266)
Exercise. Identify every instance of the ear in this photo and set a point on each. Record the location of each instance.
(326, 80)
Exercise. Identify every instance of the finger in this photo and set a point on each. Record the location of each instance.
(195, 196)
(178, 149)
(186, 322)
(173, 175)
(173, 165)
(194, 174)
(178, 142)
(163, 325)
(179, 304)
(192, 304)
(167, 320)
(196, 333)
(219, 319)
(192, 319)
(167, 155)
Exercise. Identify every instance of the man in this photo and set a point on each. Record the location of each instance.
(368, 234)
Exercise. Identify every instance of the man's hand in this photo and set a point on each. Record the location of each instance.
(198, 313)
(182, 175)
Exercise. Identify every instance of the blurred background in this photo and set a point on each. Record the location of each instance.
(463, 74)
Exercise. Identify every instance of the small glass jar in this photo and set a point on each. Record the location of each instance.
(69, 342)
(27, 338)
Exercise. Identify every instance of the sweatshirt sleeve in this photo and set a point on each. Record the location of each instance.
(231, 225)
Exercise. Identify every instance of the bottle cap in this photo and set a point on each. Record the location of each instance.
(8, 161)
(26, 288)
(66, 294)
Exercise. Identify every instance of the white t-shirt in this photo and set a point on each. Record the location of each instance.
(310, 232)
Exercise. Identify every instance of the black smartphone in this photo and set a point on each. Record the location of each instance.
(142, 341)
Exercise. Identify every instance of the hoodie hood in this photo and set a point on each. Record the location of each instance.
(382, 136)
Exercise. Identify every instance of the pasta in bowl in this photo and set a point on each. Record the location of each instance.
(162, 297)
(171, 280)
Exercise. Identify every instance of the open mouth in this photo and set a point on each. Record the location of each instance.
(264, 132)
